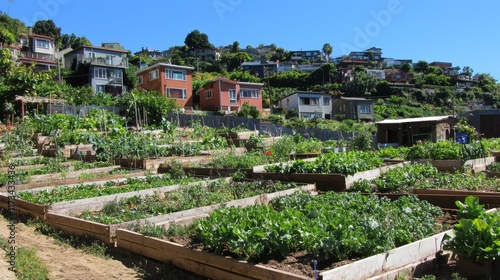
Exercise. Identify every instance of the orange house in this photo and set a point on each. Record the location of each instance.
(227, 95)
(173, 81)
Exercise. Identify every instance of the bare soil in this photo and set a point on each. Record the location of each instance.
(66, 262)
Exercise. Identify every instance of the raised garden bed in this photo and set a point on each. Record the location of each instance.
(324, 179)
(473, 165)
(154, 163)
(36, 203)
(214, 265)
(59, 218)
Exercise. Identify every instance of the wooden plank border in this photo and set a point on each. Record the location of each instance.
(81, 227)
(188, 216)
(418, 251)
(202, 263)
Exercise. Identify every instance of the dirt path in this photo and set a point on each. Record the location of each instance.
(63, 261)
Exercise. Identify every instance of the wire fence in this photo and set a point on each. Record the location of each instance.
(264, 127)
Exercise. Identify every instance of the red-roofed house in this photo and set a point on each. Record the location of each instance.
(227, 95)
(35, 49)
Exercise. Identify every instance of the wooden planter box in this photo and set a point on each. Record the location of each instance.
(447, 198)
(188, 216)
(154, 163)
(220, 267)
(73, 181)
(202, 263)
(211, 172)
(59, 217)
(324, 182)
(70, 174)
(477, 165)
(39, 210)
(490, 174)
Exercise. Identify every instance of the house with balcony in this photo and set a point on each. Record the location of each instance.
(397, 76)
(308, 104)
(354, 108)
(367, 55)
(105, 67)
(462, 80)
(311, 55)
(261, 69)
(34, 49)
(206, 54)
(228, 95)
(172, 81)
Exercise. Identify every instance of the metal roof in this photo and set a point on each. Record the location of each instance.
(411, 120)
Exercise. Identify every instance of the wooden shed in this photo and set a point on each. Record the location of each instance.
(406, 132)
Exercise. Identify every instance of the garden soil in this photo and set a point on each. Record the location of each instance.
(64, 262)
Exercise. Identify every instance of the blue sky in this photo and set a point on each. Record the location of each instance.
(462, 32)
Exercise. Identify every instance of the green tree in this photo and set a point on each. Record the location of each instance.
(14, 26)
(406, 68)
(421, 66)
(467, 70)
(235, 47)
(197, 40)
(247, 110)
(327, 50)
(48, 28)
(486, 82)
(363, 84)
(80, 41)
(6, 37)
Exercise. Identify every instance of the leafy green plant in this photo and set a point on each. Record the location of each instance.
(347, 163)
(493, 167)
(333, 226)
(477, 233)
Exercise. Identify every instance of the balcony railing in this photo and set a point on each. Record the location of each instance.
(106, 61)
(41, 56)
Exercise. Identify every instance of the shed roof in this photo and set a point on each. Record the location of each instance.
(412, 120)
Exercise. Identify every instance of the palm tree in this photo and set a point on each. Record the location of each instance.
(327, 50)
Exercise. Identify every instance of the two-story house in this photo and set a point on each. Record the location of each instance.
(172, 81)
(228, 95)
(397, 76)
(34, 49)
(354, 108)
(206, 54)
(261, 69)
(308, 104)
(105, 67)
(312, 55)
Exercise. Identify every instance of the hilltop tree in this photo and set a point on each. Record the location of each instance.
(467, 70)
(48, 28)
(363, 84)
(406, 67)
(235, 47)
(486, 82)
(421, 66)
(14, 26)
(327, 50)
(80, 41)
(197, 40)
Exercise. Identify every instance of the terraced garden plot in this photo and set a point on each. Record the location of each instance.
(290, 233)
(186, 197)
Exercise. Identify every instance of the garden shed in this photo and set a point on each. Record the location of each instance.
(406, 132)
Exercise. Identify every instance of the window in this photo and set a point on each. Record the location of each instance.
(178, 93)
(309, 101)
(249, 93)
(139, 80)
(364, 109)
(100, 73)
(173, 74)
(153, 75)
(40, 43)
(326, 101)
(100, 88)
(232, 96)
(208, 94)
